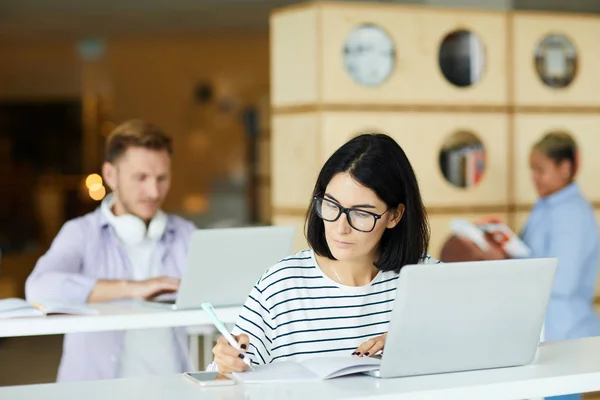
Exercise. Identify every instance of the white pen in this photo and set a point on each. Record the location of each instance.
(221, 328)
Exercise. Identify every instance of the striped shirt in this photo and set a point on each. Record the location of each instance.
(295, 311)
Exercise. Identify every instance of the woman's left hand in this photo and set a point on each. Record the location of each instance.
(371, 346)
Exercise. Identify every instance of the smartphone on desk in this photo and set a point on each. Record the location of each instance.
(208, 378)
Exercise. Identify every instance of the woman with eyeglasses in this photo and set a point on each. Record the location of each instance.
(365, 222)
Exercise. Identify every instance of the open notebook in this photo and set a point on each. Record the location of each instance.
(314, 369)
(19, 308)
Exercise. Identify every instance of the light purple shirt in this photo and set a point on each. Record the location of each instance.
(87, 250)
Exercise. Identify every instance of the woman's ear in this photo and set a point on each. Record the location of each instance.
(566, 169)
(395, 216)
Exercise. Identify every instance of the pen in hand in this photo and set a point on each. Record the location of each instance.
(208, 308)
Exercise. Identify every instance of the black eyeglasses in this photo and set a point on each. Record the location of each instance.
(361, 220)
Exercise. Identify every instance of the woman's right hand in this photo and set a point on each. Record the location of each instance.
(229, 359)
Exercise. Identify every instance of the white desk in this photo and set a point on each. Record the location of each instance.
(112, 317)
(123, 316)
(561, 368)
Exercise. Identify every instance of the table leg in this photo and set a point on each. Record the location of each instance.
(194, 349)
(207, 350)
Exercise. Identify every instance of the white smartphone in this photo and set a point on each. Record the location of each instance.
(207, 378)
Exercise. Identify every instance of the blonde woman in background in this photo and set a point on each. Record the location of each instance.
(562, 225)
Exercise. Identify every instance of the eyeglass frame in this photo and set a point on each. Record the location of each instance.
(346, 210)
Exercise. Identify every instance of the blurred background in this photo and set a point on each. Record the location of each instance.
(199, 69)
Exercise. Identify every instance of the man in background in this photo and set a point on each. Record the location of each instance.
(126, 249)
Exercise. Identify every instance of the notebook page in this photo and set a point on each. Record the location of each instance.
(284, 371)
(331, 367)
(14, 308)
(53, 307)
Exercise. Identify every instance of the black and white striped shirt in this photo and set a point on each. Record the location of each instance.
(296, 312)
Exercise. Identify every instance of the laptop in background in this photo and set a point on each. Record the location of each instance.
(224, 264)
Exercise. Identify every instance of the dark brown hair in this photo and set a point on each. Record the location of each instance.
(559, 147)
(376, 161)
(136, 133)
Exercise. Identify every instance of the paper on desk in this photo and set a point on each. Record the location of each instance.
(311, 370)
(65, 308)
(284, 371)
(11, 308)
(332, 367)
(14, 308)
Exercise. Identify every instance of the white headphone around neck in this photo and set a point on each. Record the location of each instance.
(131, 229)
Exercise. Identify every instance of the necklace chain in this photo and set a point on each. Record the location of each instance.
(337, 275)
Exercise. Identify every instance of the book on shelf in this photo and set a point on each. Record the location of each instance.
(463, 165)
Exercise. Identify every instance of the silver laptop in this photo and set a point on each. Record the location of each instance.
(467, 316)
(224, 264)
